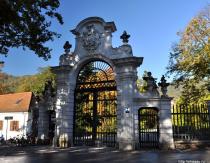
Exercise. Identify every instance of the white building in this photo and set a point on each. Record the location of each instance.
(15, 114)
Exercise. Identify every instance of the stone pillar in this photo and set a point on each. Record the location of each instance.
(208, 105)
(43, 121)
(64, 107)
(126, 76)
(126, 122)
(61, 121)
(166, 130)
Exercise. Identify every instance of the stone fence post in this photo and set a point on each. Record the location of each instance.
(208, 107)
(166, 131)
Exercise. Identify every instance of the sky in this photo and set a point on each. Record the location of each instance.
(152, 24)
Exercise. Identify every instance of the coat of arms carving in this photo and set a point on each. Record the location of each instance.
(91, 38)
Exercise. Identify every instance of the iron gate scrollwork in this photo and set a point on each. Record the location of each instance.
(95, 105)
(148, 128)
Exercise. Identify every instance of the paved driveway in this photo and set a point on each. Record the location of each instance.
(46, 154)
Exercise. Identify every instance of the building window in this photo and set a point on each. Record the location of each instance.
(14, 125)
(1, 125)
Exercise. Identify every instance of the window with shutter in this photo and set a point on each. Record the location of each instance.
(14, 125)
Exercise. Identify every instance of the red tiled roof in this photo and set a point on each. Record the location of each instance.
(16, 102)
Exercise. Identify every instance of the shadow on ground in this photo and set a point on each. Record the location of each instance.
(42, 154)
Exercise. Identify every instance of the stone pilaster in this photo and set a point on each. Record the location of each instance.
(125, 125)
(208, 105)
(126, 76)
(64, 105)
(166, 130)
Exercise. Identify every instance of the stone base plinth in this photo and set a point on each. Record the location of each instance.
(126, 145)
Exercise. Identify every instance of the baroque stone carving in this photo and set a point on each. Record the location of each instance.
(151, 86)
(91, 38)
(125, 37)
(163, 84)
(68, 58)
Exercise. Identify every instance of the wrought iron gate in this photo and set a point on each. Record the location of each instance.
(148, 128)
(95, 105)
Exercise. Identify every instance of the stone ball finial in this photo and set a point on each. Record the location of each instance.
(67, 46)
(125, 37)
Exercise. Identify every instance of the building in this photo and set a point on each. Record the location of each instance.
(15, 114)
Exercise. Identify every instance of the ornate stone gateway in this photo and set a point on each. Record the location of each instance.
(97, 98)
(95, 105)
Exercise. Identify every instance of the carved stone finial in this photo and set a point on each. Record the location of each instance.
(67, 46)
(151, 82)
(163, 84)
(125, 37)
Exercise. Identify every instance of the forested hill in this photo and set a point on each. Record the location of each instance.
(33, 83)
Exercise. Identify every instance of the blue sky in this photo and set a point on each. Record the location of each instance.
(152, 24)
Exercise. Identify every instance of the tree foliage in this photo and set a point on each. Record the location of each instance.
(25, 23)
(33, 83)
(190, 58)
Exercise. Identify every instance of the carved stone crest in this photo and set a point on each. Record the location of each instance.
(91, 38)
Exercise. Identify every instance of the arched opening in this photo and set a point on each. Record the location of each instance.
(148, 127)
(95, 118)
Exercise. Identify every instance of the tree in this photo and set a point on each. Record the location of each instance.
(36, 83)
(33, 83)
(4, 81)
(25, 23)
(190, 57)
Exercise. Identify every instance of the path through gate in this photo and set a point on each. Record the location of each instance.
(95, 105)
(148, 128)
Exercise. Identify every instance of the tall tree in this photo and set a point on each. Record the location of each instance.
(190, 59)
(25, 23)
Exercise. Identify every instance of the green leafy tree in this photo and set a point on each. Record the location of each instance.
(7, 82)
(31, 83)
(26, 23)
(37, 83)
(190, 59)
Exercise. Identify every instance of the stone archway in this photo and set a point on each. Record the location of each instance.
(94, 44)
(95, 105)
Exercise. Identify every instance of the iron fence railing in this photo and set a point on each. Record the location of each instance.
(191, 122)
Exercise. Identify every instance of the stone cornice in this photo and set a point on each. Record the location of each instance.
(61, 69)
(135, 61)
(107, 25)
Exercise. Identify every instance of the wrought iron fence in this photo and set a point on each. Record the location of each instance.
(191, 122)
